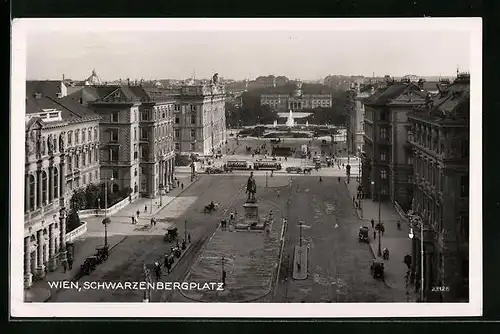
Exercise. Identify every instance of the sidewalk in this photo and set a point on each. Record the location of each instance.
(396, 241)
(86, 246)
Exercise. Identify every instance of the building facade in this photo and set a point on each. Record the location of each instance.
(356, 110)
(136, 132)
(382, 155)
(61, 144)
(440, 142)
(296, 101)
(200, 119)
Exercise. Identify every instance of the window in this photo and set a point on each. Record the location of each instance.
(177, 146)
(135, 152)
(115, 174)
(77, 161)
(464, 186)
(177, 133)
(177, 120)
(77, 183)
(84, 179)
(90, 155)
(113, 154)
(144, 116)
(83, 136)
(113, 135)
(96, 157)
(384, 190)
(70, 163)
(409, 159)
(144, 134)
(90, 177)
(70, 138)
(135, 134)
(84, 159)
(96, 137)
(114, 117)
(135, 171)
(31, 182)
(90, 134)
(383, 174)
(77, 136)
(193, 108)
(464, 148)
(177, 107)
(193, 134)
(193, 119)
(383, 133)
(145, 152)
(383, 156)
(96, 175)
(383, 115)
(44, 187)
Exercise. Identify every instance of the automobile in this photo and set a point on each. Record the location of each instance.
(294, 169)
(213, 170)
(363, 234)
(377, 268)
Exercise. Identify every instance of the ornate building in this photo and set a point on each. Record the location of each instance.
(200, 118)
(356, 110)
(61, 155)
(440, 142)
(297, 100)
(136, 137)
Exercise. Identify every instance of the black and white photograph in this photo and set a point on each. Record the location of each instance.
(246, 167)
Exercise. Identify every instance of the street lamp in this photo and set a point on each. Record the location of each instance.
(300, 233)
(106, 220)
(411, 235)
(379, 225)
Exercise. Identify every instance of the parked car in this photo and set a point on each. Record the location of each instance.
(294, 169)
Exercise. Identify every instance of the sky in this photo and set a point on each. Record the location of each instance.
(239, 54)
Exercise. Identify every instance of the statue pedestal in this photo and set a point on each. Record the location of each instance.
(251, 219)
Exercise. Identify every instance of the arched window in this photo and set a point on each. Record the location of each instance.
(96, 137)
(136, 188)
(32, 190)
(90, 155)
(90, 134)
(44, 187)
(55, 182)
(70, 138)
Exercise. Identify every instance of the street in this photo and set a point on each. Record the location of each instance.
(126, 260)
(339, 266)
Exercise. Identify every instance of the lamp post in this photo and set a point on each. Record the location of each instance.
(411, 235)
(379, 225)
(300, 233)
(266, 179)
(185, 230)
(106, 220)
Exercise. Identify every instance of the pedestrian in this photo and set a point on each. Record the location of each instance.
(70, 263)
(382, 229)
(353, 199)
(157, 271)
(373, 223)
(64, 266)
(145, 208)
(133, 219)
(152, 221)
(178, 182)
(278, 193)
(338, 179)
(138, 213)
(231, 216)
(182, 185)
(189, 237)
(374, 234)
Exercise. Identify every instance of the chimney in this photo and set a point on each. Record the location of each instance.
(63, 77)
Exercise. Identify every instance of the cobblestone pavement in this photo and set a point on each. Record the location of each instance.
(339, 266)
(126, 261)
(250, 258)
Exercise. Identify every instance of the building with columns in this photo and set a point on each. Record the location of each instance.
(439, 138)
(61, 155)
(136, 130)
(297, 100)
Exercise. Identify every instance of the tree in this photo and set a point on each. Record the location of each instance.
(92, 194)
(73, 221)
(78, 201)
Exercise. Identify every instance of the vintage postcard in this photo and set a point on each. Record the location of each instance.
(246, 168)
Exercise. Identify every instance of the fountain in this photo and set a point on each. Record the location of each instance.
(290, 121)
(307, 123)
(275, 124)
